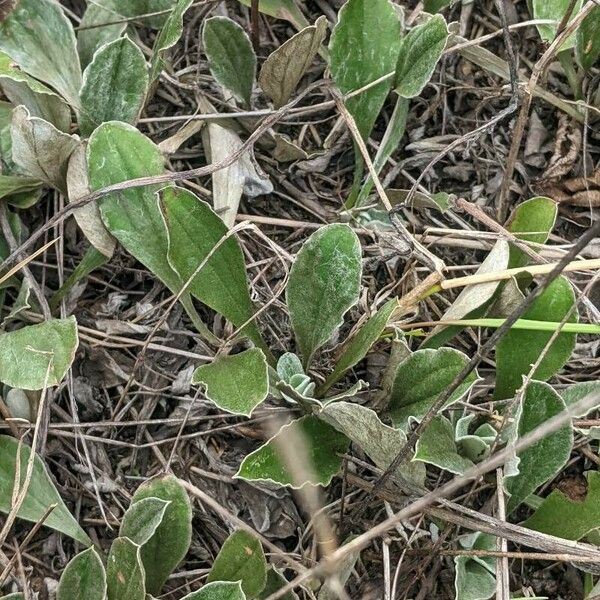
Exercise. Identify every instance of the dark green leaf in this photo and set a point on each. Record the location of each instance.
(125, 572)
(241, 558)
(83, 577)
(587, 36)
(41, 493)
(231, 58)
(324, 283)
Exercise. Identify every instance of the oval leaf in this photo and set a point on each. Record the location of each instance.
(231, 58)
(219, 590)
(26, 353)
(236, 383)
(171, 540)
(422, 378)
(520, 348)
(324, 283)
(541, 461)
(83, 577)
(587, 40)
(142, 519)
(420, 51)
(242, 559)
(40, 39)
(96, 29)
(125, 572)
(364, 46)
(114, 85)
(554, 10)
(283, 69)
(41, 493)
(322, 444)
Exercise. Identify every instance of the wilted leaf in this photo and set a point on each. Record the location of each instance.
(193, 232)
(474, 575)
(231, 58)
(437, 446)
(41, 493)
(570, 519)
(40, 39)
(587, 40)
(125, 572)
(114, 85)
(168, 37)
(422, 378)
(364, 46)
(142, 519)
(554, 10)
(378, 441)
(322, 442)
(41, 150)
(171, 540)
(237, 383)
(83, 577)
(219, 590)
(26, 353)
(87, 216)
(283, 69)
(357, 347)
(420, 51)
(275, 581)
(531, 221)
(96, 29)
(244, 176)
(518, 349)
(324, 283)
(41, 101)
(541, 461)
(242, 559)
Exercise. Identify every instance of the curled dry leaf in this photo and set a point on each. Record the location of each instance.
(283, 69)
(87, 216)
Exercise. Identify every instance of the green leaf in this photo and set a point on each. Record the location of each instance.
(171, 540)
(434, 6)
(357, 347)
(378, 441)
(420, 51)
(364, 46)
(422, 378)
(275, 581)
(322, 443)
(284, 68)
(142, 519)
(554, 10)
(125, 572)
(193, 232)
(83, 577)
(88, 216)
(41, 150)
(242, 559)
(324, 283)
(114, 85)
(531, 221)
(41, 101)
(281, 9)
(475, 576)
(168, 37)
(543, 460)
(569, 519)
(14, 184)
(237, 383)
(519, 349)
(231, 59)
(577, 391)
(40, 39)
(26, 353)
(437, 446)
(41, 493)
(219, 590)
(95, 30)
(475, 446)
(587, 40)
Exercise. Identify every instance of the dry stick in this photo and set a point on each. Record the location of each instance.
(589, 235)
(519, 129)
(254, 25)
(328, 565)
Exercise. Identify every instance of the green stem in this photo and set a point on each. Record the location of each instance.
(568, 64)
